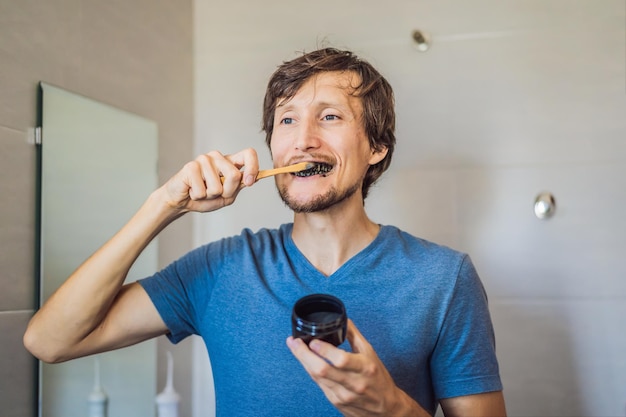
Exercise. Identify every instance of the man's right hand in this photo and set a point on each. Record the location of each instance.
(211, 181)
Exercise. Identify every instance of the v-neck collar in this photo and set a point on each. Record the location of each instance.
(307, 268)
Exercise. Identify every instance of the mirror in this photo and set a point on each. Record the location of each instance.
(97, 164)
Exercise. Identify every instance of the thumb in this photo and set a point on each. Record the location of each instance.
(356, 339)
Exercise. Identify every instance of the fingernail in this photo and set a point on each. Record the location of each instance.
(314, 344)
(249, 180)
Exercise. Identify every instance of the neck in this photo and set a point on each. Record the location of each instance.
(330, 238)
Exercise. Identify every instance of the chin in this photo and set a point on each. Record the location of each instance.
(316, 203)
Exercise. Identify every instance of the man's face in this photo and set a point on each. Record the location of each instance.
(322, 123)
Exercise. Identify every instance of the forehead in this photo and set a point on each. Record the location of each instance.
(339, 86)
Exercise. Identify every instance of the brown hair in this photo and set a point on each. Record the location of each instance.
(375, 92)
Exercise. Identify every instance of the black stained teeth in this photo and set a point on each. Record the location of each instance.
(318, 169)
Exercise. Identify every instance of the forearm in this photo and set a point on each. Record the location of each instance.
(83, 300)
(405, 406)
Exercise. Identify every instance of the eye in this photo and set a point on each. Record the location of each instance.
(286, 121)
(331, 117)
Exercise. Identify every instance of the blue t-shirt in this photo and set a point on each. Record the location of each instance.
(421, 306)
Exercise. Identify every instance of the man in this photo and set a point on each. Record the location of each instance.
(424, 333)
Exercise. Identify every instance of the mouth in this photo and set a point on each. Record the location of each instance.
(319, 168)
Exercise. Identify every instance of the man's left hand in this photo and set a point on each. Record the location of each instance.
(357, 383)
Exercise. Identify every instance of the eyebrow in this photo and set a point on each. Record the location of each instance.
(287, 105)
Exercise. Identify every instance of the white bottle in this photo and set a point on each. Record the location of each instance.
(168, 400)
(98, 399)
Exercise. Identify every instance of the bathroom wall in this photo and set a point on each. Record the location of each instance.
(512, 99)
(135, 55)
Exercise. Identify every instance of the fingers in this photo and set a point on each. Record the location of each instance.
(207, 174)
(302, 352)
(356, 382)
(329, 364)
(249, 161)
(340, 358)
(344, 377)
(222, 174)
(318, 353)
(320, 370)
(322, 360)
(314, 364)
(212, 180)
(357, 340)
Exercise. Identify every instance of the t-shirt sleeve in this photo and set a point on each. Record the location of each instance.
(179, 293)
(464, 360)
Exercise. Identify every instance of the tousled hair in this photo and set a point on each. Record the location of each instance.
(374, 91)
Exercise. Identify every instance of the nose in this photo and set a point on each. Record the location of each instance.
(307, 135)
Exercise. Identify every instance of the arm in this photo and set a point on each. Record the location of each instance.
(489, 404)
(93, 311)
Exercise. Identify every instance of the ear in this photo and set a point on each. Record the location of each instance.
(378, 155)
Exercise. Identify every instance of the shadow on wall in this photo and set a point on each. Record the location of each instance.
(537, 364)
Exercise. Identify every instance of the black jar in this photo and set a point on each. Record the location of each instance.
(319, 316)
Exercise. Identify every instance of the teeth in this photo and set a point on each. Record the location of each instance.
(318, 169)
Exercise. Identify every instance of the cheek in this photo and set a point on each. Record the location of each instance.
(277, 147)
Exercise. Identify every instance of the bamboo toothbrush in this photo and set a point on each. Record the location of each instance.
(302, 166)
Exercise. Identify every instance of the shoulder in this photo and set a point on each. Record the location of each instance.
(419, 249)
(259, 239)
(248, 243)
(247, 237)
(445, 267)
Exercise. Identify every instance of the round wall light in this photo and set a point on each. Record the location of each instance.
(545, 205)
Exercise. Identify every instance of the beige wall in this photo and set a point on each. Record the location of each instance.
(514, 97)
(135, 55)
